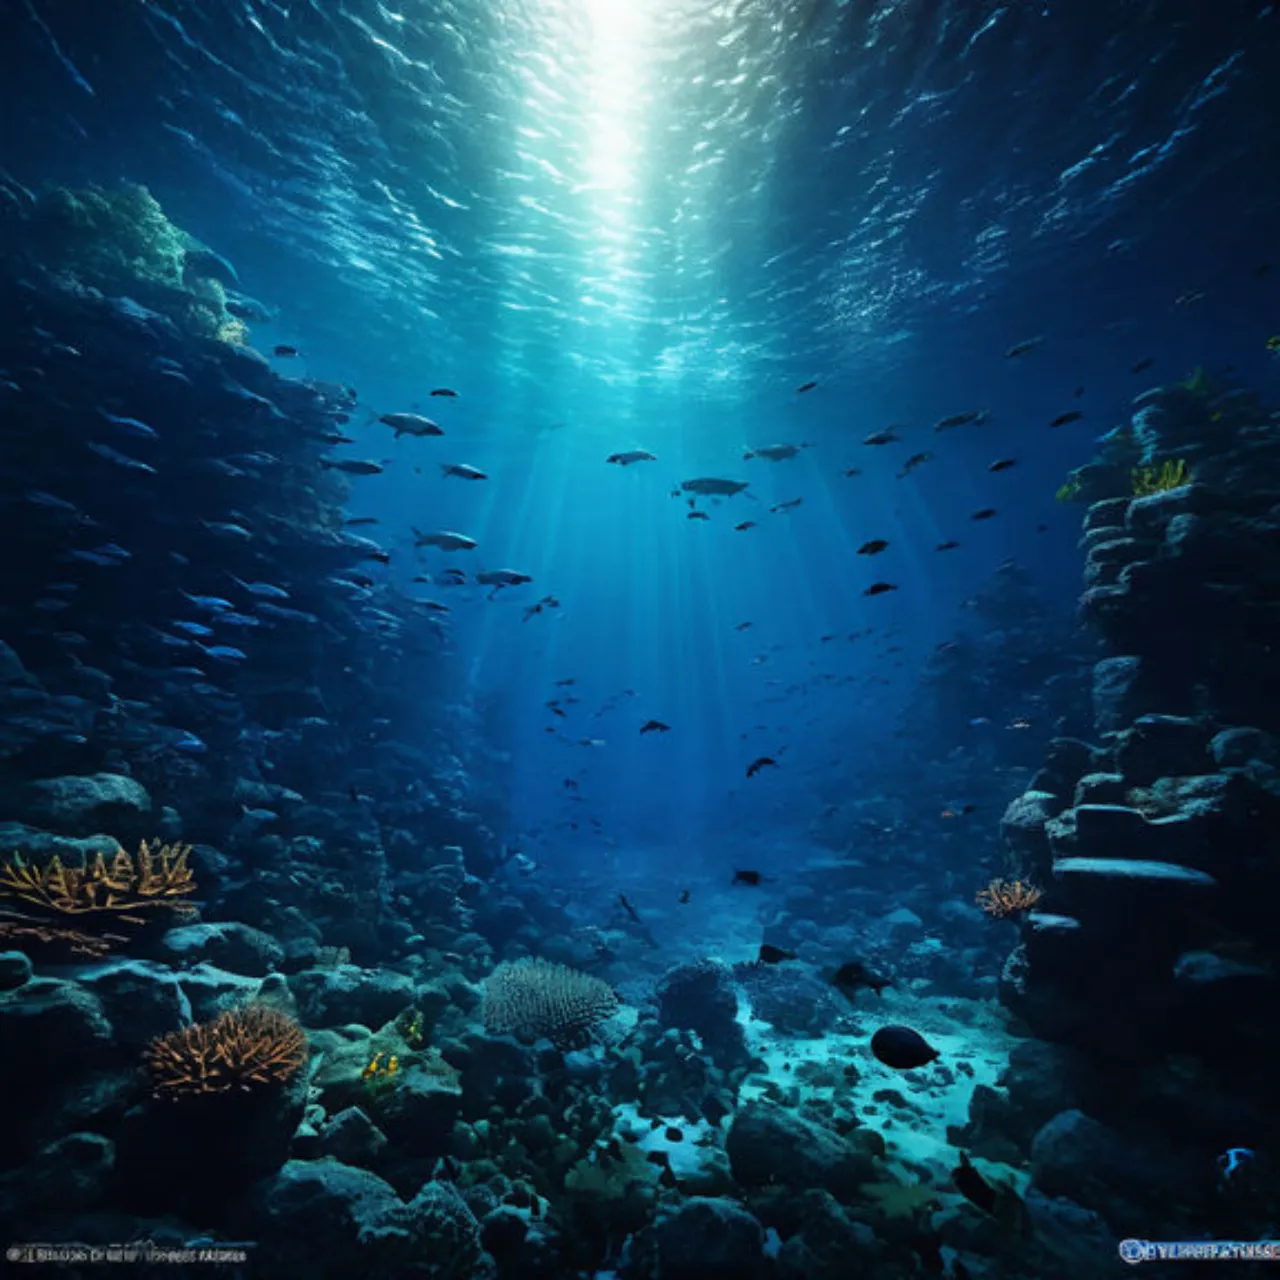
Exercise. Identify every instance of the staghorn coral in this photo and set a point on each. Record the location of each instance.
(238, 1050)
(21, 934)
(1006, 898)
(536, 999)
(1170, 474)
(118, 888)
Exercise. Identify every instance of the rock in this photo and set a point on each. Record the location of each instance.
(700, 996)
(1023, 829)
(902, 922)
(422, 1107)
(15, 969)
(1101, 789)
(69, 1176)
(11, 669)
(352, 1138)
(226, 944)
(1119, 692)
(771, 1145)
(1107, 514)
(1124, 874)
(141, 999)
(707, 1239)
(1148, 516)
(446, 1233)
(1239, 747)
(210, 991)
(48, 1026)
(327, 1221)
(1072, 1241)
(347, 993)
(84, 805)
(1158, 746)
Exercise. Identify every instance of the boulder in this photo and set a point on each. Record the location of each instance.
(770, 1145)
(238, 948)
(346, 993)
(85, 805)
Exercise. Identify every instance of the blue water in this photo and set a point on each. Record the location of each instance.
(612, 228)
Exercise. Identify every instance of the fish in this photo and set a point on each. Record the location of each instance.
(805, 386)
(1002, 464)
(744, 526)
(654, 726)
(742, 626)
(713, 487)
(879, 588)
(853, 471)
(1141, 366)
(1186, 299)
(916, 460)
(684, 898)
(902, 1048)
(462, 471)
(625, 904)
(628, 456)
(284, 351)
(499, 578)
(359, 521)
(1064, 418)
(411, 424)
(984, 514)
(1021, 348)
(770, 954)
(949, 545)
(887, 436)
(447, 392)
(353, 466)
(210, 604)
(974, 1187)
(697, 515)
(954, 420)
(444, 540)
(131, 426)
(195, 629)
(263, 590)
(872, 548)
(774, 452)
(226, 529)
(1273, 344)
(223, 653)
(855, 974)
(760, 762)
(121, 459)
(547, 602)
(752, 878)
(790, 505)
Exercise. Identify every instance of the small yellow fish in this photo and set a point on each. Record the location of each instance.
(393, 1065)
(1273, 343)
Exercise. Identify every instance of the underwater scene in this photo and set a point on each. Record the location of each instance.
(639, 639)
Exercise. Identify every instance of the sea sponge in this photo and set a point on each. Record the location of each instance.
(536, 999)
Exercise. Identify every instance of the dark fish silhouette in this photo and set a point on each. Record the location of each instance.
(773, 955)
(855, 974)
(684, 898)
(284, 352)
(985, 514)
(654, 726)
(761, 762)
(445, 391)
(879, 588)
(746, 877)
(974, 1187)
(950, 545)
(1064, 418)
(805, 386)
(872, 548)
(902, 1048)
(1142, 365)
(1002, 464)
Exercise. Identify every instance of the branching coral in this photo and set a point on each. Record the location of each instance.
(33, 936)
(118, 888)
(238, 1050)
(1006, 898)
(536, 999)
(1169, 475)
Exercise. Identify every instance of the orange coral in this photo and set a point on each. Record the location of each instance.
(119, 887)
(34, 935)
(255, 1045)
(1006, 898)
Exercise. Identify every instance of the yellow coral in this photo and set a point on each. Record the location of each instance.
(1169, 475)
(1005, 898)
(117, 888)
(239, 1049)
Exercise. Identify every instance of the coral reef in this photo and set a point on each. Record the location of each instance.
(537, 999)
